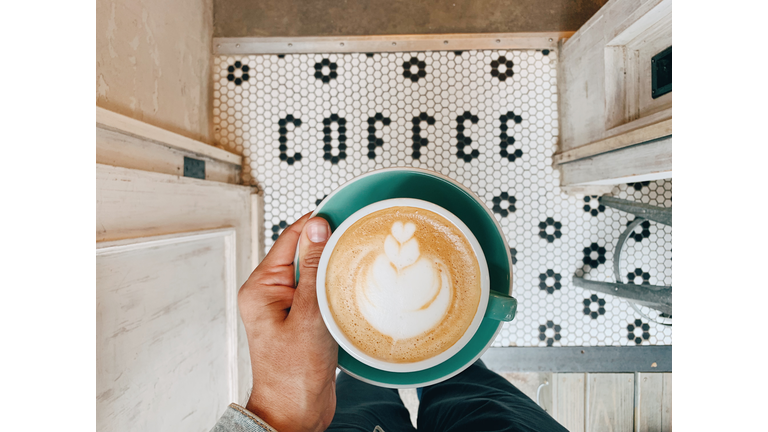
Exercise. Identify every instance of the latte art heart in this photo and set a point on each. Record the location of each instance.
(403, 284)
(400, 248)
(403, 231)
(403, 294)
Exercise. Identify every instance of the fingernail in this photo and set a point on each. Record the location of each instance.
(317, 232)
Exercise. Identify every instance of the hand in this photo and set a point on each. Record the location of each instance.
(293, 356)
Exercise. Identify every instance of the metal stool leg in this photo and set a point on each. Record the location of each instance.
(653, 296)
(662, 215)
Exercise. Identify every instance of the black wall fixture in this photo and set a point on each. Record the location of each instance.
(661, 72)
(194, 168)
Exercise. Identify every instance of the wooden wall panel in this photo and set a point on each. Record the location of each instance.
(666, 403)
(166, 331)
(568, 400)
(649, 397)
(618, 402)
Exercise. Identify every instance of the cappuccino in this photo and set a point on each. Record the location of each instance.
(403, 284)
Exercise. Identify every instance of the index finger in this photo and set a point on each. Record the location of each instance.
(284, 249)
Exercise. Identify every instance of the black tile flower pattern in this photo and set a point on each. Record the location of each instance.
(550, 333)
(549, 230)
(593, 206)
(504, 204)
(594, 306)
(639, 276)
(278, 229)
(643, 231)
(513, 252)
(594, 255)
(501, 68)
(639, 186)
(283, 124)
(325, 70)
(549, 281)
(319, 200)
(638, 332)
(414, 69)
(238, 73)
(463, 142)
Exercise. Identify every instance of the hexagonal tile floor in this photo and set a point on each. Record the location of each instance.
(308, 123)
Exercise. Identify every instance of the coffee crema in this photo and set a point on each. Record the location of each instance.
(403, 284)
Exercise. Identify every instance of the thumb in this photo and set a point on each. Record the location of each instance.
(314, 236)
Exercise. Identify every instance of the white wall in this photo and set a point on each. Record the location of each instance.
(153, 62)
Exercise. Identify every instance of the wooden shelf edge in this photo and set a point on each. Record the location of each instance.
(386, 43)
(636, 136)
(114, 121)
(103, 169)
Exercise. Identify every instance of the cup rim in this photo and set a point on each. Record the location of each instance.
(341, 338)
(372, 377)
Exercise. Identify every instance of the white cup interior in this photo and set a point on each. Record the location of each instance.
(341, 338)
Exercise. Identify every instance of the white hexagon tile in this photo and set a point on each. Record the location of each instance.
(307, 123)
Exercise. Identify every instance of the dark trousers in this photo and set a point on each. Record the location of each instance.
(475, 400)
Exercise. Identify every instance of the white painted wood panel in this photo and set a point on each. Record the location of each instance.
(568, 400)
(132, 204)
(166, 334)
(610, 402)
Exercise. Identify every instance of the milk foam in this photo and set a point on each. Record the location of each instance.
(403, 294)
(403, 284)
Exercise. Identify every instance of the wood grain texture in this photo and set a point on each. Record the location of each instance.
(387, 43)
(568, 400)
(257, 229)
(649, 397)
(603, 75)
(650, 161)
(610, 402)
(627, 139)
(529, 382)
(132, 203)
(166, 336)
(117, 148)
(666, 403)
(588, 190)
(111, 120)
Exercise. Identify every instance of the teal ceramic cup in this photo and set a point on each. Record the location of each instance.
(444, 192)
